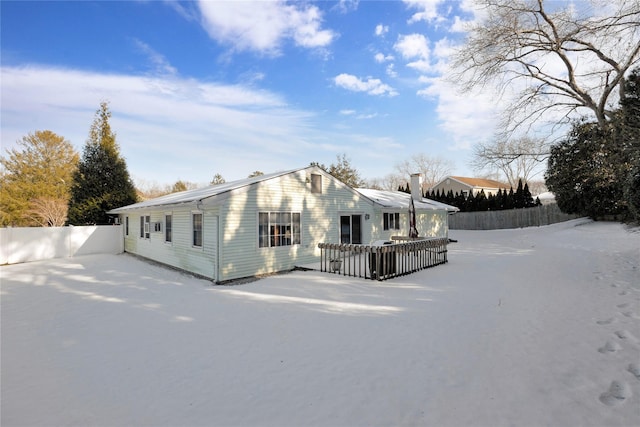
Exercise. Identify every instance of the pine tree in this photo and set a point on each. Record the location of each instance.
(519, 201)
(459, 201)
(345, 172)
(102, 180)
(499, 200)
(470, 205)
(528, 198)
(510, 200)
(481, 201)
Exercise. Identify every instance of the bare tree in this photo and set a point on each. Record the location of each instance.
(564, 56)
(515, 158)
(48, 212)
(433, 169)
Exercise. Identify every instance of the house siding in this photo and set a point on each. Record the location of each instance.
(241, 256)
(428, 224)
(179, 253)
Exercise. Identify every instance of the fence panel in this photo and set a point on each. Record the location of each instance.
(25, 244)
(513, 218)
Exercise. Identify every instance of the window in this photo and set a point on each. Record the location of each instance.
(126, 225)
(316, 183)
(145, 226)
(278, 229)
(391, 221)
(197, 229)
(167, 227)
(350, 229)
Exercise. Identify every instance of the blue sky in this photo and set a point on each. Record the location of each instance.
(199, 88)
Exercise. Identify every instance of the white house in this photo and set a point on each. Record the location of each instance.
(268, 223)
(467, 186)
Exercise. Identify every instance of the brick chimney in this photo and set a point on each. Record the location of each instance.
(416, 186)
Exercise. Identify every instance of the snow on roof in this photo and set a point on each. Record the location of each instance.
(478, 182)
(200, 193)
(400, 200)
(547, 195)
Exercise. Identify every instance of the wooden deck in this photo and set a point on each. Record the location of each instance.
(402, 256)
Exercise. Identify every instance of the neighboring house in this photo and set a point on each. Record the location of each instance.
(467, 186)
(546, 198)
(268, 223)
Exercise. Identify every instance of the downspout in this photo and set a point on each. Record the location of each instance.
(216, 270)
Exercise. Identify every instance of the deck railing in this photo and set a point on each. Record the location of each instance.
(381, 262)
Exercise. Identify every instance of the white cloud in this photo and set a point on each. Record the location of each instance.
(263, 26)
(381, 30)
(347, 112)
(168, 128)
(160, 64)
(427, 10)
(468, 118)
(345, 6)
(370, 85)
(381, 57)
(391, 71)
(413, 46)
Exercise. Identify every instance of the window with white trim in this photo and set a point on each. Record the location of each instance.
(126, 225)
(145, 226)
(391, 221)
(196, 222)
(278, 229)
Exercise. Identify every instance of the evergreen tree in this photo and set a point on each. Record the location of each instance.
(101, 182)
(493, 202)
(528, 198)
(519, 201)
(35, 181)
(459, 201)
(343, 171)
(450, 197)
(499, 200)
(586, 172)
(630, 136)
(481, 201)
(470, 205)
(217, 179)
(510, 200)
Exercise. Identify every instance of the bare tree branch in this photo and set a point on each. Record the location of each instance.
(515, 158)
(563, 57)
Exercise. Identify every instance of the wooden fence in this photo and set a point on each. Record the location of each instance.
(381, 262)
(513, 218)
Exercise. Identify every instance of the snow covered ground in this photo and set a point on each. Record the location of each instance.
(528, 327)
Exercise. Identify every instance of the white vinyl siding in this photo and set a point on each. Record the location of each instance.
(241, 254)
(180, 253)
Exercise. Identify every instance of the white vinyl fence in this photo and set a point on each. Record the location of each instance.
(513, 218)
(24, 244)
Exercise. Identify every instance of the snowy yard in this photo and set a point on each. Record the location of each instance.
(528, 327)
